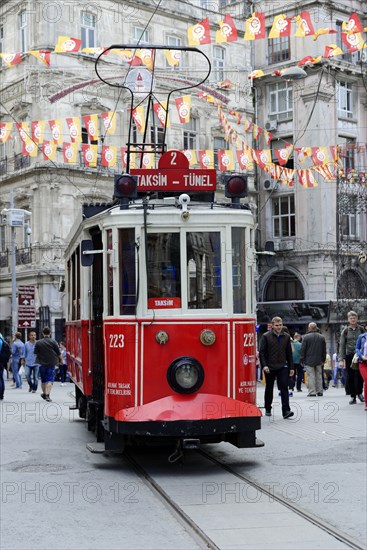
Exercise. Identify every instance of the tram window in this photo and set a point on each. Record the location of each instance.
(164, 270)
(239, 269)
(204, 284)
(75, 284)
(127, 271)
(110, 272)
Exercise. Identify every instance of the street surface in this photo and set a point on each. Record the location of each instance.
(56, 494)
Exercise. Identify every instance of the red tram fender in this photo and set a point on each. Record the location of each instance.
(188, 407)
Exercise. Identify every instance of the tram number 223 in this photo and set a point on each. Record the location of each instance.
(248, 340)
(117, 340)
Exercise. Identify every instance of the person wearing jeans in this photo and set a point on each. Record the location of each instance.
(17, 354)
(30, 364)
(276, 360)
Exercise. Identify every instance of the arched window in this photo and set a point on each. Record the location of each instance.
(350, 286)
(282, 286)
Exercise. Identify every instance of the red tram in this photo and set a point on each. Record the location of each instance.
(161, 324)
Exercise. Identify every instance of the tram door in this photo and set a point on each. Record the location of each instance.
(97, 360)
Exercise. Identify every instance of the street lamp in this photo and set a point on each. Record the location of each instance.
(14, 218)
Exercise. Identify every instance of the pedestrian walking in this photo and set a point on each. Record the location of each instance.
(48, 356)
(63, 367)
(313, 356)
(361, 351)
(348, 342)
(296, 355)
(327, 374)
(277, 363)
(338, 371)
(30, 363)
(17, 354)
(4, 358)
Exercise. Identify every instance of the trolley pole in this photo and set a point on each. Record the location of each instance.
(13, 268)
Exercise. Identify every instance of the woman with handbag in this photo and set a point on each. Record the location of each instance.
(361, 352)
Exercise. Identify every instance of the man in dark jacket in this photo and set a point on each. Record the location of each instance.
(313, 356)
(48, 356)
(277, 363)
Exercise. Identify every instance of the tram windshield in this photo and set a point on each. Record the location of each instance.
(204, 279)
(164, 270)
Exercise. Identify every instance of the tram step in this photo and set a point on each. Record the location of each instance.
(96, 447)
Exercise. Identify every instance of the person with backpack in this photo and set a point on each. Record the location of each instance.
(4, 358)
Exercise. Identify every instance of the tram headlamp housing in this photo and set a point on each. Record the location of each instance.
(125, 188)
(185, 375)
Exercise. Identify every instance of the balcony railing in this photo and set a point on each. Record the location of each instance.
(23, 256)
(21, 162)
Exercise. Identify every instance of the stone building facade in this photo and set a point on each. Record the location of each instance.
(52, 191)
(319, 233)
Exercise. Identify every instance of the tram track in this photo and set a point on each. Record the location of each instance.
(308, 516)
(199, 534)
(193, 529)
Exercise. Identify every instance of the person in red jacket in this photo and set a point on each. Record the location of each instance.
(277, 363)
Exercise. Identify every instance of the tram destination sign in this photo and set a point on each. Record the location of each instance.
(175, 179)
(26, 306)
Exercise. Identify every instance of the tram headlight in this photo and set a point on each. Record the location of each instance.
(185, 375)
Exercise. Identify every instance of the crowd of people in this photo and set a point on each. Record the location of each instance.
(287, 360)
(35, 359)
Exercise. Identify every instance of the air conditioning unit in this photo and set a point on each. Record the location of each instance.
(269, 185)
(271, 125)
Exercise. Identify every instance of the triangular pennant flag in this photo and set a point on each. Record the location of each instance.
(139, 118)
(42, 55)
(305, 27)
(190, 154)
(5, 131)
(109, 155)
(255, 26)
(284, 154)
(148, 160)
(74, 129)
(90, 154)
(309, 60)
(91, 125)
(38, 130)
(244, 159)
(24, 132)
(109, 122)
(206, 158)
(353, 24)
(183, 105)
(320, 155)
(160, 110)
(173, 57)
(49, 149)
(147, 57)
(11, 59)
(199, 33)
(353, 41)
(306, 178)
(30, 149)
(321, 32)
(67, 44)
(225, 160)
(281, 26)
(227, 31)
(56, 130)
(332, 50)
(70, 152)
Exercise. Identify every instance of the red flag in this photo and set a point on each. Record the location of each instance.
(309, 60)
(320, 155)
(281, 26)
(353, 41)
(206, 158)
(67, 44)
(109, 153)
(183, 105)
(42, 55)
(225, 160)
(306, 178)
(90, 154)
(284, 154)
